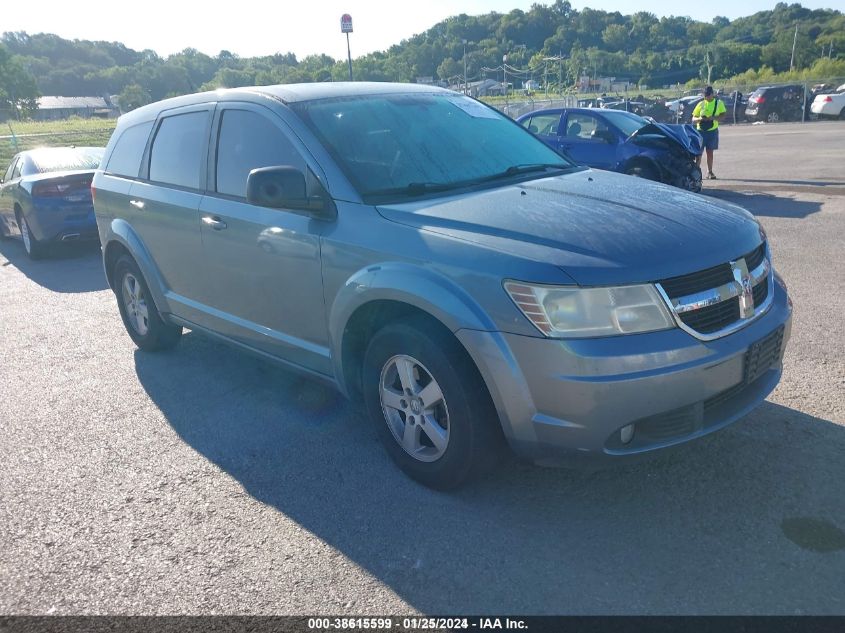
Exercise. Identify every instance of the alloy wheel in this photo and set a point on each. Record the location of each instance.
(136, 304)
(414, 408)
(27, 240)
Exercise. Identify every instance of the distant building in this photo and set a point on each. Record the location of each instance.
(485, 88)
(52, 108)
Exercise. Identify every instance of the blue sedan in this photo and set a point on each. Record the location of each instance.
(45, 197)
(621, 141)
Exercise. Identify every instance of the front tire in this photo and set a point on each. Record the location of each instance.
(429, 404)
(644, 171)
(138, 310)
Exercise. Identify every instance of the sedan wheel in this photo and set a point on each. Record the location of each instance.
(772, 117)
(31, 245)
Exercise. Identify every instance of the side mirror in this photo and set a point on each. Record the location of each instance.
(284, 188)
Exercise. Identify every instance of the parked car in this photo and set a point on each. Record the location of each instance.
(626, 105)
(776, 103)
(734, 107)
(621, 141)
(674, 105)
(45, 197)
(434, 260)
(829, 106)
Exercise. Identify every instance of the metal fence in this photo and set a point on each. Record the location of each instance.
(675, 105)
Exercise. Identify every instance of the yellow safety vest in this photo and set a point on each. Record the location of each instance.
(715, 110)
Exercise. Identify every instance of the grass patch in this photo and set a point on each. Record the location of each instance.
(17, 136)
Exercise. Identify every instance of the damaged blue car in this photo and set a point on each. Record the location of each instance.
(623, 142)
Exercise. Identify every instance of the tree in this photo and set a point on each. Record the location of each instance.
(18, 90)
(133, 96)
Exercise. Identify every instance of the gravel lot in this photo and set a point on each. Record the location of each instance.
(204, 481)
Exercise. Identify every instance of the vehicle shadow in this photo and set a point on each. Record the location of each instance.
(66, 268)
(727, 525)
(766, 204)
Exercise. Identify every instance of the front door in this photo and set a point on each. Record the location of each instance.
(263, 271)
(586, 138)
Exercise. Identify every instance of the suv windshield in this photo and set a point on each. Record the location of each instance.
(405, 145)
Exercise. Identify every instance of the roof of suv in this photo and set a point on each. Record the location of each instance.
(287, 93)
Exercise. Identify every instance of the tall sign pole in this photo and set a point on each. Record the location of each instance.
(346, 27)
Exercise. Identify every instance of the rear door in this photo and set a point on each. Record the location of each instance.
(10, 182)
(546, 126)
(163, 205)
(265, 286)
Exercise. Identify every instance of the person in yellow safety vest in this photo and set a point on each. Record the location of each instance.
(706, 117)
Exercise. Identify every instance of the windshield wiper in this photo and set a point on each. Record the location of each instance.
(414, 189)
(526, 168)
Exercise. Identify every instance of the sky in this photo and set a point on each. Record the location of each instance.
(251, 28)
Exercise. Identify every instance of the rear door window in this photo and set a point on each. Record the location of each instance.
(545, 124)
(247, 141)
(178, 150)
(126, 156)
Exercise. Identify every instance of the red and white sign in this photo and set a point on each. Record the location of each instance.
(346, 23)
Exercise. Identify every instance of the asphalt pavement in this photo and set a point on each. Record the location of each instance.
(204, 481)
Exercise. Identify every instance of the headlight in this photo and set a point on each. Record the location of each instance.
(566, 312)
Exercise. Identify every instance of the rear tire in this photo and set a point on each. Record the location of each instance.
(772, 117)
(842, 114)
(429, 404)
(34, 248)
(138, 310)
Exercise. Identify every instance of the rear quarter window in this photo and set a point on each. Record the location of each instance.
(126, 156)
(178, 150)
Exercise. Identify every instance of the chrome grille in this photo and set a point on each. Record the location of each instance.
(714, 317)
(717, 301)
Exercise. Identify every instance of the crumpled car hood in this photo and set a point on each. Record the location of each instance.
(684, 134)
(600, 227)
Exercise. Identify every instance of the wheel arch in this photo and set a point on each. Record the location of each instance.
(641, 160)
(387, 293)
(123, 240)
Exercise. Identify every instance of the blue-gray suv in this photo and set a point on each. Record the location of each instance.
(434, 260)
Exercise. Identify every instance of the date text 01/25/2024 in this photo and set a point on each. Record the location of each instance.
(414, 623)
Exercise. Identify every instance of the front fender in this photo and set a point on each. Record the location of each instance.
(121, 232)
(417, 286)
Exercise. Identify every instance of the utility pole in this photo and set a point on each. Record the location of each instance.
(505, 76)
(560, 71)
(794, 41)
(465, 66)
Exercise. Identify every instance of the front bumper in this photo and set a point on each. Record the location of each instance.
(565, 401)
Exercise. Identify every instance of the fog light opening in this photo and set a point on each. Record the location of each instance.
(626, 433)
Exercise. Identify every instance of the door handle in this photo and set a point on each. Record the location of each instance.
(214, 222)
(138, 204)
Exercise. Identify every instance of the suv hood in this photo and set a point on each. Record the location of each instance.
(685, 135)
(601, 228)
